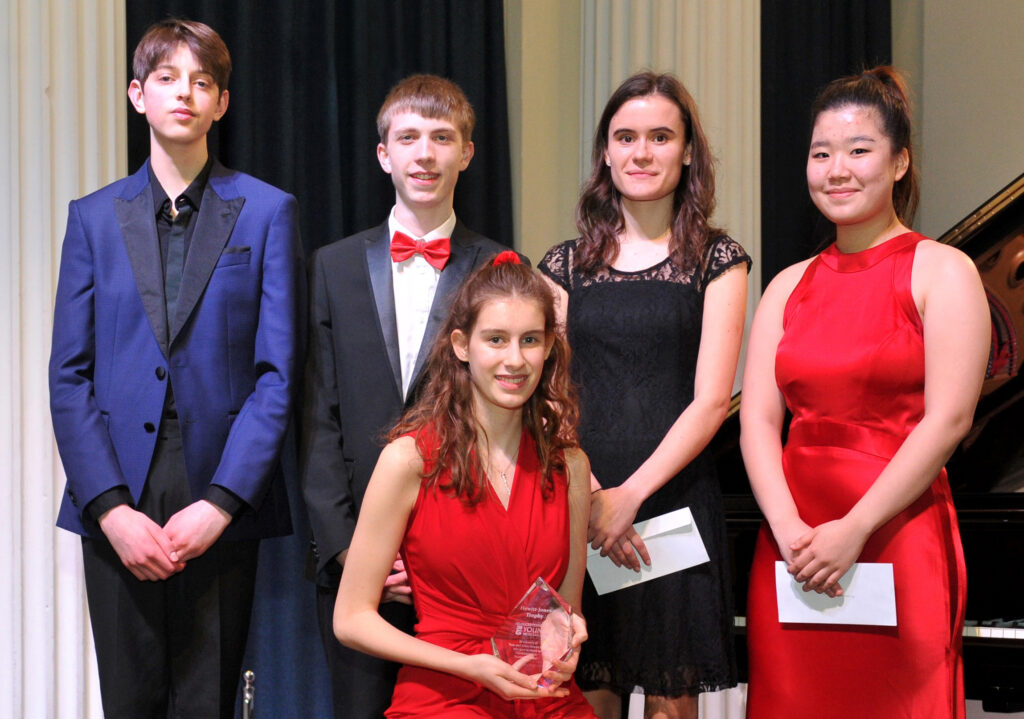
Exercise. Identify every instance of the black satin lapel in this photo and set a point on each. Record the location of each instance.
(378, 263)
(213, 228)
(138, 229)
(460, 264)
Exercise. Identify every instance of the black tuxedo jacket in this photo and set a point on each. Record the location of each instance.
(353, 386)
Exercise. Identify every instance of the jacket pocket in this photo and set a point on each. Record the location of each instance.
(234, 256)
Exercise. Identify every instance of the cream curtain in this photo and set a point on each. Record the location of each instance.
(63, 127)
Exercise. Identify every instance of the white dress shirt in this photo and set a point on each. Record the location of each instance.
(415, 283)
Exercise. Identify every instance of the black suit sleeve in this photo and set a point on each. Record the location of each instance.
(325, 478)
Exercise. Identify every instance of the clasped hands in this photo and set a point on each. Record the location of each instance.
(819, 557)
(612, 513)
(508, 682)
(151, 552)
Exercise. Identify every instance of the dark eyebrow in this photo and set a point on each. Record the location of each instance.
(653, 129)
(850, 140)
(168, 66)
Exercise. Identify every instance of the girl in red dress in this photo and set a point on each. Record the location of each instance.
(482, 489)
(878, 347)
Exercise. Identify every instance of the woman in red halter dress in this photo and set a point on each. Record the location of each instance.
(878, 348)
(483, 490)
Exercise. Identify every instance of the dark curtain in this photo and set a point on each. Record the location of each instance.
(804, 45)
(308, 80)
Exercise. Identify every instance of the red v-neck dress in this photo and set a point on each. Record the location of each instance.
(468, 568)
(851, 368)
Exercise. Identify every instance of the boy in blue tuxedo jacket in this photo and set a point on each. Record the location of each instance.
(173, 370)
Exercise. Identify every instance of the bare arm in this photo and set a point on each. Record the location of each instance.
(763, 412)
(614, 510)
(571, 587)
(957, 330)
(388, 501)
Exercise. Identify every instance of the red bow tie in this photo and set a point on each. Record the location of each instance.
(435, 252)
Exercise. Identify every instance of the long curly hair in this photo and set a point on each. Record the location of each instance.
(885, 89)
(599, 216)
(444, 408)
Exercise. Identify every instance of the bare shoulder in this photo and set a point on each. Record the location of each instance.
(577, 465)
(946, 278)
(935, 259)
(401, 459)
(787, 279)
(782, 285)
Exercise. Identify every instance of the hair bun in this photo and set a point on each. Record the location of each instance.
(507, 257)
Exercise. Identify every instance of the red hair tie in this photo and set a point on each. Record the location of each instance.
(507, 256)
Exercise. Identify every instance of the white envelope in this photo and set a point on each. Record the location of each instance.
(869, 598)
(672, 541)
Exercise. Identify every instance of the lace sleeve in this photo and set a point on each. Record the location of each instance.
(725, 253)
(557, 264)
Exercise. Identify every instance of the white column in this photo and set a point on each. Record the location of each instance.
(63, 128)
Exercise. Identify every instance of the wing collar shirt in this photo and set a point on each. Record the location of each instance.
(415, 284)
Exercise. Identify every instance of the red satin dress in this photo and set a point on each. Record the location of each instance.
(468, 568)
(851, 368)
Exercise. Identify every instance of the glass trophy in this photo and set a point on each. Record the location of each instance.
(537, 632)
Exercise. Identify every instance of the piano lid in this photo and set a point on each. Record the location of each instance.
(990, 459)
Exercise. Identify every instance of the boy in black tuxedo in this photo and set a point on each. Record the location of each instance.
(376, 302)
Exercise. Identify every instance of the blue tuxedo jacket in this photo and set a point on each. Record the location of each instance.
(230, 350)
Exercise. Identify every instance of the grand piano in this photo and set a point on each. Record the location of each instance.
(986, 471)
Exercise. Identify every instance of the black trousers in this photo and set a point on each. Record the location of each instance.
(361, 685)
(171, 648)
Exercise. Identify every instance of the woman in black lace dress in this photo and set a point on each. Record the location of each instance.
(654, 298)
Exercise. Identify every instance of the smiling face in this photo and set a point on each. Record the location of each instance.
(424, 157)
(851, 167)
(647, 148)
(179, 99)
(505, 350)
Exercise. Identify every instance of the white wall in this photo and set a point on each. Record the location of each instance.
(971, 107)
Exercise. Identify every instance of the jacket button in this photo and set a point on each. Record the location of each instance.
(161, 373)
(149, 427)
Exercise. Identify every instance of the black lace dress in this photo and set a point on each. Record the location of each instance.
(635, 337)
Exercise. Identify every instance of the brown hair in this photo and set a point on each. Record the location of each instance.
(163, 38)
(599, 211)
(884, 89)
(445, 406)
(429, 96)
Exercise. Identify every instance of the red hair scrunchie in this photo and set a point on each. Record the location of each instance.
(507, 256)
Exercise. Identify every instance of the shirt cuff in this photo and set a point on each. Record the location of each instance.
(106, 501)
(225, 499)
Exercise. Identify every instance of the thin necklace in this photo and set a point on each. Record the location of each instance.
(503, 474)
